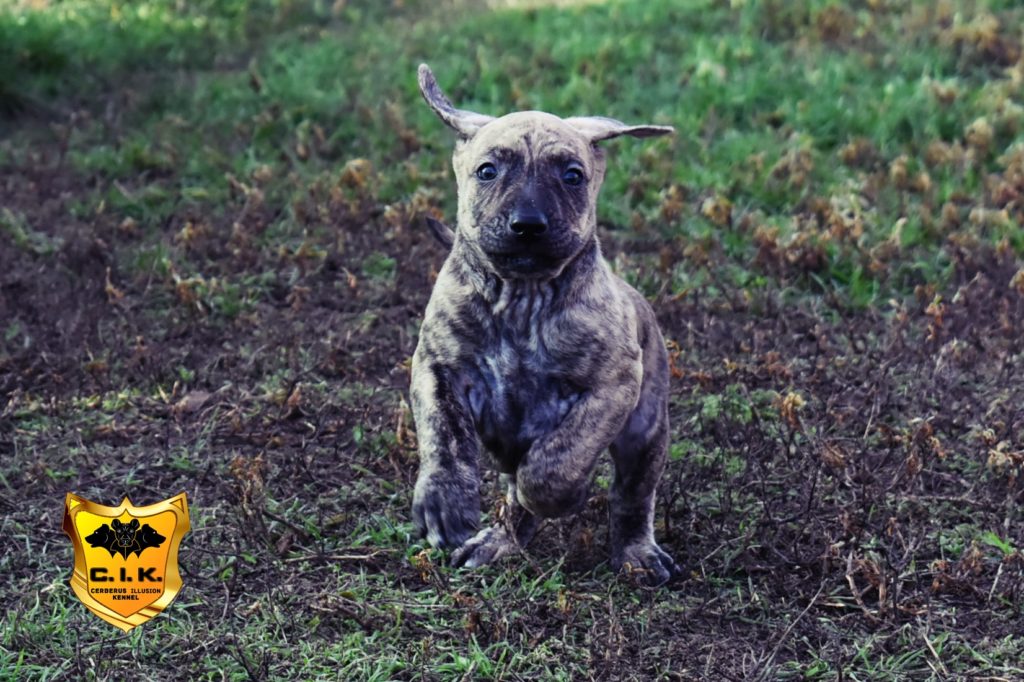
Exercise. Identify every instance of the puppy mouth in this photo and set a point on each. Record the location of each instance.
(531, 257)
(525, 262)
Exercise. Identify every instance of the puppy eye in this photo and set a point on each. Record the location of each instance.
(572, 176)
(486, 172)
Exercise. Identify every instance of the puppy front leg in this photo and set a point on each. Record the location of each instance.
(446, 501)
(554, 476)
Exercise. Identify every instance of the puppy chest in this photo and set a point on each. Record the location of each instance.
(514, 402)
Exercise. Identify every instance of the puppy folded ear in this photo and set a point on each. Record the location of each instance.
(599, 128)
(465, 123)
(442, 233)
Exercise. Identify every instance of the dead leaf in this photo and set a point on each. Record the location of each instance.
(191, 402)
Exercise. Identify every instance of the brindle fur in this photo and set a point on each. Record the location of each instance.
(532, 352)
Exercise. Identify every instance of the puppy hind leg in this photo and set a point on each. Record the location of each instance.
(511, 534)
(639, 454)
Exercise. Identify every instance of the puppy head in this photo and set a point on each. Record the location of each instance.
(528, 182)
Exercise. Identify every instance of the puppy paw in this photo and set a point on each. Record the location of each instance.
(445, 513)
(645, 562)
(485, 547)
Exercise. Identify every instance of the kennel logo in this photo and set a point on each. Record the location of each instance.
(126, 557)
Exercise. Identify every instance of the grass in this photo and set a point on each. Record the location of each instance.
(213, 268)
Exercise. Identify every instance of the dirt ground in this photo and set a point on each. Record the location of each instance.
(832, 460)
(844, 488)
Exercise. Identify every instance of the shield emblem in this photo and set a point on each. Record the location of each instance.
(126, 557)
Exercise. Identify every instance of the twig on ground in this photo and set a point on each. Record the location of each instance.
(927, 643)
(337, 557)
(785, 635)
(858, 594)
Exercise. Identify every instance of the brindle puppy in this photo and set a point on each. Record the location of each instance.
(532, 348)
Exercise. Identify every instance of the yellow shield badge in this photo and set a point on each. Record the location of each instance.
(126, 557)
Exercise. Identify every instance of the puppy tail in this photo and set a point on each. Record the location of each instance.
(442, 233)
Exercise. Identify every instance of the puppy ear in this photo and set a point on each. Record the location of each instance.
(599, 128)
(465, 123)
(442, 233)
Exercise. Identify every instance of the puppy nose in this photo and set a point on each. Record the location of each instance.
(528, 223)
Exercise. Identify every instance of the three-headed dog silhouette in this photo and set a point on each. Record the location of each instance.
(532, 351)
(125, 538)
